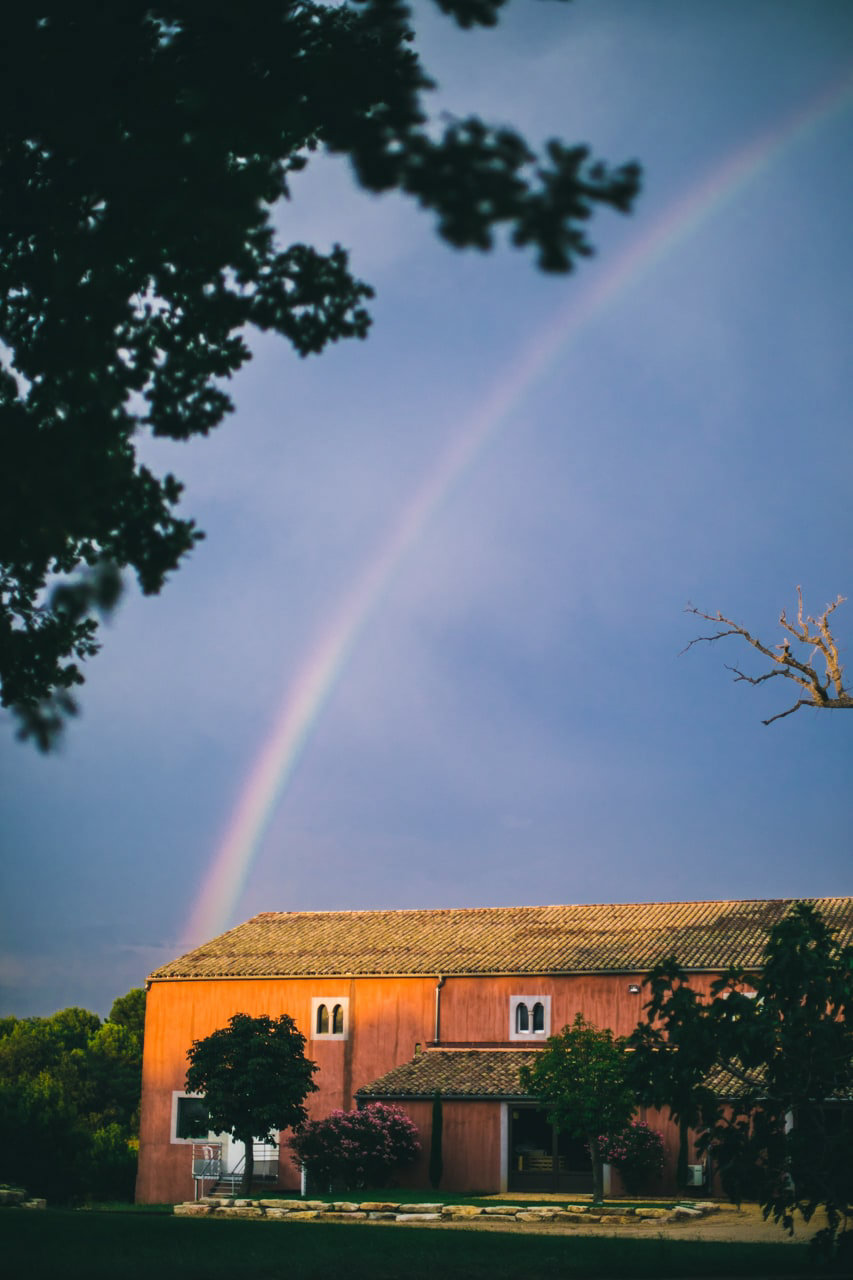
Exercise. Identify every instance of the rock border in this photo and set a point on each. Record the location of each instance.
(391, 1211)
(17, 1198)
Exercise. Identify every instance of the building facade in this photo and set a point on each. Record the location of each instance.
(395, 1005)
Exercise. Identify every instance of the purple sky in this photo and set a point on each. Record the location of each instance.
(514, 723)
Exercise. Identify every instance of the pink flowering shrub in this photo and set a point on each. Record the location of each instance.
(356, 1148)
(637, 1152)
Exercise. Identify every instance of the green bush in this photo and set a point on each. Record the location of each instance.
(112, 1161)
(636, 1152)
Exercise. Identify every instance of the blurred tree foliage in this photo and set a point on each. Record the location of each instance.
(69, 1102)
(145, 148)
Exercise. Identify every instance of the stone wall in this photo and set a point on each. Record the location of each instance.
(390, 1211)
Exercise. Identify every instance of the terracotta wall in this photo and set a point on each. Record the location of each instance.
(477, 1009)
(471, 1147)
(387, 1018)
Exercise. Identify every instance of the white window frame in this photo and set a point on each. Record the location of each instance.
(173, 1131)
(530, 1001)
(329, 1002)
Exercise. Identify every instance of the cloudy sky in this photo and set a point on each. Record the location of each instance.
(434, 633)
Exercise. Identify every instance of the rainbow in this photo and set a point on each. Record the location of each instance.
(315, 679)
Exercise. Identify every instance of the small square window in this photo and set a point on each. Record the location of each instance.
(529, 1017)
(190, 1118)
(329, 1018)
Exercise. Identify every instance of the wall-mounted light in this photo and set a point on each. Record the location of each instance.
(633, 989)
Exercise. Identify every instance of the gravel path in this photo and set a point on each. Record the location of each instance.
(729, 1223)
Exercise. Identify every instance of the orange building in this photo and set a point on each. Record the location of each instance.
(397, 1004)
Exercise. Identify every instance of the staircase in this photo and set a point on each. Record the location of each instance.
(264, 1174)
(230, 1184)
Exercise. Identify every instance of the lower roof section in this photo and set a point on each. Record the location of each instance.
(494, 1074)
(454, 1073)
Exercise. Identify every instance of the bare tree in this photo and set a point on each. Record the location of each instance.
(825, 691)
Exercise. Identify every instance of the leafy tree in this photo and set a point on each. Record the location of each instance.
(31, 1045)
(672, 1053)
(357, 1148)
(129, 1011)
(110, 1166)
(581, 1077)
(145, 148)
(254, 1077)
(113, 1072)
(781, 1058)
(792, 1124)
(44, 1142)
(69, 1103)
(114, 1066)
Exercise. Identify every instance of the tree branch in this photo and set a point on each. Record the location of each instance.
(815, 634)
(780, 715)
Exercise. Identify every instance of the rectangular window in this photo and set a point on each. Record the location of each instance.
(529, 1017)
(190, 1119)
(329, 1018)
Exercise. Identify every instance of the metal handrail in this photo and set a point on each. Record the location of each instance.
(206, 1166)
(235, 1175)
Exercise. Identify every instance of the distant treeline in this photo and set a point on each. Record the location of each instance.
(69, 1102)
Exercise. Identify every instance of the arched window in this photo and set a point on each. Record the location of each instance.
(529, 1015)
(330, 1017)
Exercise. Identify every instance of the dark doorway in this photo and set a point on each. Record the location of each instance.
(541, 1159)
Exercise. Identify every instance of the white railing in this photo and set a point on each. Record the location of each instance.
(265, 1165)
(207, 1165)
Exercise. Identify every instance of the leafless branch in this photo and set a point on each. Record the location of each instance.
(825, 691)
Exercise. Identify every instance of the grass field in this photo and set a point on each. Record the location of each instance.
(79, 1245)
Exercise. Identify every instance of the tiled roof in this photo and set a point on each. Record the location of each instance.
(457, 1073)
(628, 937)
(733, 1081)
(494, 1073)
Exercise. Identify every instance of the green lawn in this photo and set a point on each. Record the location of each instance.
(132, 1246)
